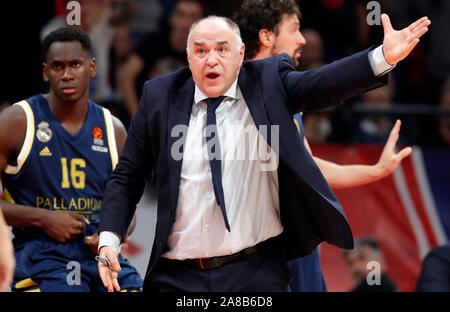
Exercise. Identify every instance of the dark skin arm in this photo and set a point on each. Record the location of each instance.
(60, 225)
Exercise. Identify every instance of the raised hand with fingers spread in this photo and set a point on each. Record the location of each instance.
(398, 44)
(389, 159)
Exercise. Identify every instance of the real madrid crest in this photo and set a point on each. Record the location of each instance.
(44, 134)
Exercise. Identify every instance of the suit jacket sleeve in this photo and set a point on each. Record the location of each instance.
(126, 184)
(328, 85)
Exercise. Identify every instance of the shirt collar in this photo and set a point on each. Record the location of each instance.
(232, 92)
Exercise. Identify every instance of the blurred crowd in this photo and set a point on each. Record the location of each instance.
(136, 40)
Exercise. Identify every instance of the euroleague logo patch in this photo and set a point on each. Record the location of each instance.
(98, 145)
(97, 133)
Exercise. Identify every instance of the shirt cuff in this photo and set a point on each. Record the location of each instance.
(378, 62)
(110, 239)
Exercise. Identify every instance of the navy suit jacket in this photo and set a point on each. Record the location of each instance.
(274, 91)
(435, 272)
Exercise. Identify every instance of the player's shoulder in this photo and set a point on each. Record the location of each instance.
(95, 105)
(14, 121)
(14, 116)
(21, 113)
(118, 125)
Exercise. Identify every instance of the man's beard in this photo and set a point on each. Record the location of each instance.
(295, 59)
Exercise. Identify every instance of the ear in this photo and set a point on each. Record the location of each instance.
(242, 54)
(189, 58)
(45, 72)
(92, 68)
(266, 38)
(188, 54)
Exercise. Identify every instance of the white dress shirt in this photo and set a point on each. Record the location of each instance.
(250, 187)
(250, 191)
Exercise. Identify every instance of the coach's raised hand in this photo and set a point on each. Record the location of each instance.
(398, 44)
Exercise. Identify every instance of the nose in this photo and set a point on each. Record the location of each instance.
(301, 40)
(67, 73)
(211, 59)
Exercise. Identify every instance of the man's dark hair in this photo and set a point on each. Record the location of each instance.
(255, 15)
(66, 34)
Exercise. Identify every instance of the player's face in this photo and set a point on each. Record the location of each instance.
(68, 68)
(289, 38)
(214, 57)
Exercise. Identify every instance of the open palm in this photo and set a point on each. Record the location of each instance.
(397, 44)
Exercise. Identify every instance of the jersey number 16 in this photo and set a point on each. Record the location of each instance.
(78, 176)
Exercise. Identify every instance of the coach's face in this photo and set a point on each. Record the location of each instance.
(214, 56)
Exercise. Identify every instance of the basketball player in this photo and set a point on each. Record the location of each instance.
(57, 151)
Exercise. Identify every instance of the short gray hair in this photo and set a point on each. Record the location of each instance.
(234, 27)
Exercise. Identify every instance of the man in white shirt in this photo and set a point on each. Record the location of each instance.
(232, 225)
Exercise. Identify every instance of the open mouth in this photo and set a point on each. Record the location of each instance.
(212, 76)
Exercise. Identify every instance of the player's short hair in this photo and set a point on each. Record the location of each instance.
(66, 34)
(255, 15)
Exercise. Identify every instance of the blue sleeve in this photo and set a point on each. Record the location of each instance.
(307, 274)
(328, 85)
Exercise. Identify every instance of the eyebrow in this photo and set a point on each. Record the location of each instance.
(67, 60)
(201, 43)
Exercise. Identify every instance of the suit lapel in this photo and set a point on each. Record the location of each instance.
(267, 109)
(180, 106)
(252, 93)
